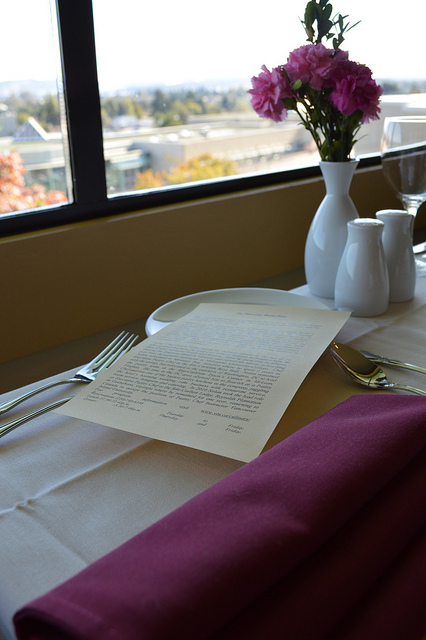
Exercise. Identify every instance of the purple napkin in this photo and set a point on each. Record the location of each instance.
(323, 536)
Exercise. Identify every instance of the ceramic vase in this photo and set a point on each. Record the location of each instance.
(328, 232)
(362, 281)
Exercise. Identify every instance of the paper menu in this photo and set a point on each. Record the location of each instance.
(218, 379)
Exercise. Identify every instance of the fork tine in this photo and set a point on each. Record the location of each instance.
(118, 351)
(104, 357)
(100, 357)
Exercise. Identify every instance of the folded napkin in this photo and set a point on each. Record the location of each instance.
(323, 536)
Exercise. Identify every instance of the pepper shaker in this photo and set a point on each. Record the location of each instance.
(398, 247)
(362, 281)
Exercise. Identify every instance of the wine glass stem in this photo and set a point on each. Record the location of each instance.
(412, 209)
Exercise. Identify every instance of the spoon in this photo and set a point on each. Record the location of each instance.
(363, 370)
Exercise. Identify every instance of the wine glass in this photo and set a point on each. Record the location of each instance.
(403, 152)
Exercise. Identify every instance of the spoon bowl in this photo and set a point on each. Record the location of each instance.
(363, 370)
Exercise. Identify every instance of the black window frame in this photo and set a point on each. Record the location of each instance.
(85, 140)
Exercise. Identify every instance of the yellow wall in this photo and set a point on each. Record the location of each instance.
(62, 284)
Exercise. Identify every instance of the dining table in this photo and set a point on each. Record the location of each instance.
(73, 491)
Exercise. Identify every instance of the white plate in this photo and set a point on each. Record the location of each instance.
(175, 309)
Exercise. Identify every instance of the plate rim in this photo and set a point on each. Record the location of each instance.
(149, 325)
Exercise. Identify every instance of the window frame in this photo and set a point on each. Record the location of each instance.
(85, 141)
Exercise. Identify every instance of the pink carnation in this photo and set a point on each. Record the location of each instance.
(354, 89)
(269, 89)
(313, 64)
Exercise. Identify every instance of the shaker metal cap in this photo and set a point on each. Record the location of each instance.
(366, 222)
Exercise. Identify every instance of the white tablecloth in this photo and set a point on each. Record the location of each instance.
(72, 491)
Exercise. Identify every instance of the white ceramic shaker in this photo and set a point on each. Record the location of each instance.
(362, 282)
(398, 246)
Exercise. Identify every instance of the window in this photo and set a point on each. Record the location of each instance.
(34, 157)
(152, 90)
(177, 91)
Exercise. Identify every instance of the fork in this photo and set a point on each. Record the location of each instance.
(118, 347)
(392, 362)
(29, 416)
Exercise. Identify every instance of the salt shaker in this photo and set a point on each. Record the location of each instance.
(398, 246)
(362, 281)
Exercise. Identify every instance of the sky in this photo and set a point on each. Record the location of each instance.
(173, 42)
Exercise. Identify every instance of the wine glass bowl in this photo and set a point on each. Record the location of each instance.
(403, 154)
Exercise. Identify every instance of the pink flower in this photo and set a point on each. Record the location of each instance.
(354, 89)
(269, 90)
(312, 64)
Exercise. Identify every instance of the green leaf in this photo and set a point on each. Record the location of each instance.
(310, 14)
(327, 12)
(314, 118)
(317, 14)
(324, 150)
(289, 104)
(348, 28)
(309, 18)
(296, 85)
(324, 29)
(310, 33)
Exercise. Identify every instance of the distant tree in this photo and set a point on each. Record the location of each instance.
(14, 195)
(193, 107)
(22, 117)
(45, 111)
(172, 118)
(390, 87)
(133, 108)
(161, 102)
(48, 113)
(228, 101)
(173, 109)
(106, 119)
(149, 180)
(121, 106)
(202, 167)
(414, 88)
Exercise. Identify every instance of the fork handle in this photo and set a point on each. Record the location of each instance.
(13, 403)
(394, 385)
(398, 363)
(29, 416)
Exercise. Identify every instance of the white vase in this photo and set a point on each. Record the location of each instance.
(362, 281)
(328, 231)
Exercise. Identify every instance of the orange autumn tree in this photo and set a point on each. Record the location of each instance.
(203, 167)
(14, 195)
